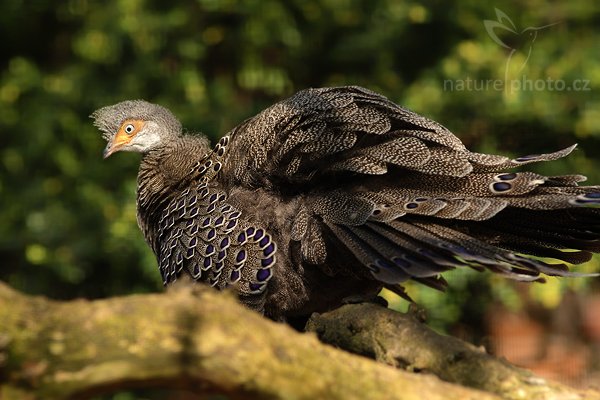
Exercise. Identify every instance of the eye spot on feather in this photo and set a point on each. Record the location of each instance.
(526, 158)
(401, 262)
(506, 177)
(235, 276)
(256, 288)
(411, 206)
(500, 187)
(587, 198)
(263, 275)
(376, 212)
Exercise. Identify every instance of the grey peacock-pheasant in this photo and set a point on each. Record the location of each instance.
(338, 192)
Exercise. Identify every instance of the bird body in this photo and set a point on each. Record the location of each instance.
(336, 192)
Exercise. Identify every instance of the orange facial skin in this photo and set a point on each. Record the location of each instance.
(126, 133)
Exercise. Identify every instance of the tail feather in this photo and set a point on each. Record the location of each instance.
(491, 163)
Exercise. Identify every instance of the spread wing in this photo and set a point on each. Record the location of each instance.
(401, 193)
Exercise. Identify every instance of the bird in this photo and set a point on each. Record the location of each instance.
(338, 192)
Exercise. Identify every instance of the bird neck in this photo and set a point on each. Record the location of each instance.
(166, 169)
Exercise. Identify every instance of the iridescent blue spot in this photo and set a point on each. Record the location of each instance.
(221, 255)
(501, 186)
(507, 177)
(263, 274)
(384, 264)
(211, 234)
(259, 234)
(207, 262)
(173, 243)
(411, 206)
(224, 242)
(189, 254)
(235, 214)
(221, 197)
(212, 198)
(208, 163)
(203, 193)
(179, 258)
(210, 249)
(527, 158)
(249, 231)
(241, 237)
(194, 242)
(201, 170)
(226, 208)
(235, 275)
(265, 262)
(241, 256)
(193, 201)
(401, 262)
(264, 241)
(194, 229)
(218, 266)
(231, 224)
(193, 212)
(181, 203)
(196, 270)
(217, 167)
(206, 222)
(595, 195)
(181, 213)
(210, 208)
(221, 152)
(255, 287)
(189, 223)
(269, 249)
(219, 221)
(413, 258)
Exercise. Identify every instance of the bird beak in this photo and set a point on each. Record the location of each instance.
(108, 150)
(116, 143)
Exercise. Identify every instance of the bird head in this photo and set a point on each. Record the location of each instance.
(135, 125)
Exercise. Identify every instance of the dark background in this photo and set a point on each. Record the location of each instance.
(67, 217)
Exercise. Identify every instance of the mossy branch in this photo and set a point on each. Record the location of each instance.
(192, 338)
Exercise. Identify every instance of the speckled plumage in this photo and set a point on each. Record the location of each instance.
(335, 192)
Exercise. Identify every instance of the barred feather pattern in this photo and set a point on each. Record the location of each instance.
(335, 192)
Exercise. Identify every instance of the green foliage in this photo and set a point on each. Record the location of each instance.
(67, 218)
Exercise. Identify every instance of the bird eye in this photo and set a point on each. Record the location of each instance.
(129, 129)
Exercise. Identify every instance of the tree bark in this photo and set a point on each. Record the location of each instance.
(403, 341)
(205, 342)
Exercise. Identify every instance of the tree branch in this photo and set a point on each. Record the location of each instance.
(192, 338)
(401, 340)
